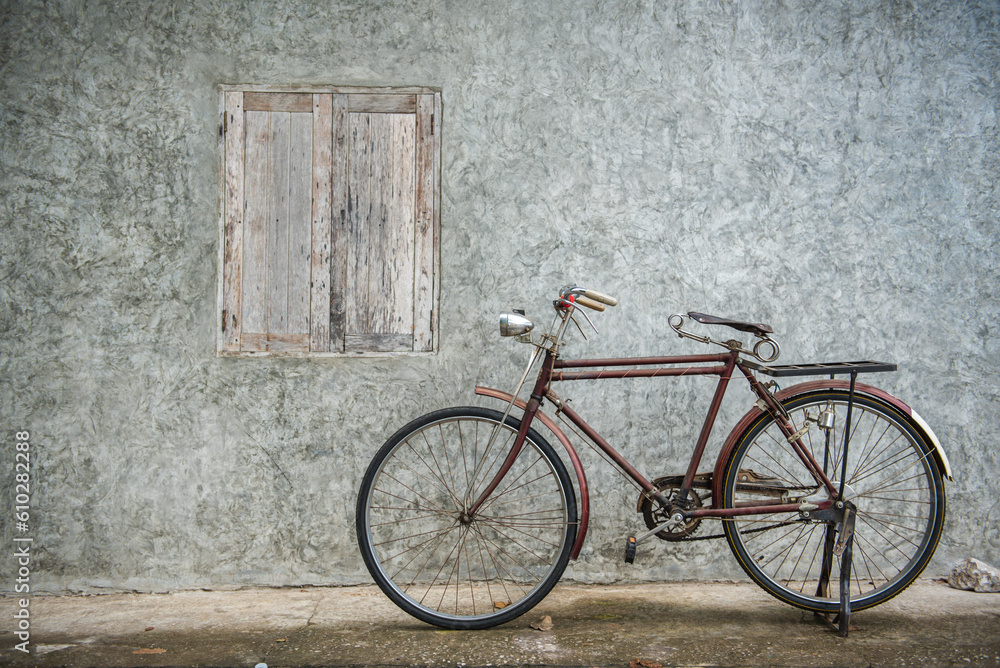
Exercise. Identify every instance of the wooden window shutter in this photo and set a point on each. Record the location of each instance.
(330, 221)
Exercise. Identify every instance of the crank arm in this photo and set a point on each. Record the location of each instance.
(653, 532)
(677, 518)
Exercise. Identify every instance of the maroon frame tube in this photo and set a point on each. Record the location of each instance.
(615, 456)
(754, 510)
(641, 361)
(638, 373)
(706, 429)
(560, 375)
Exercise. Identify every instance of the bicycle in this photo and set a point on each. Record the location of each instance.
(467, 516)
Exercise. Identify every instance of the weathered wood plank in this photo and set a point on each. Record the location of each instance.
(359, 215)
(300, 165)
(276, 294)
(256, 188)
(339, 224)
(272, 342)
(320, 247)
(425, 232)
(361, 343)
(382, 104)
(231, 316)
(400, 236)
(286, 102)
(380, 291)
(435, 297)
(435, 276)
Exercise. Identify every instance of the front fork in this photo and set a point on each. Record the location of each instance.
(534, 402)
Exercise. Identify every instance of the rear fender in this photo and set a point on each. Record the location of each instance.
(829, 384)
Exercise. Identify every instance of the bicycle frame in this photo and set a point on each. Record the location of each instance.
(721, 365)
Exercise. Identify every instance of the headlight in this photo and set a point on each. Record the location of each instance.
(514, 324)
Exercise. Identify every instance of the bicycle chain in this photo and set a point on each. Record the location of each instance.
(722, 535)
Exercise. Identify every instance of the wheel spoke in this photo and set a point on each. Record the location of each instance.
(437, 541)
(435, 471)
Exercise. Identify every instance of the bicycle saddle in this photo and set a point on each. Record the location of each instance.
(759, 329)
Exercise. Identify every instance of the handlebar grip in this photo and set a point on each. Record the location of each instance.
(589, 303)
(604, 299)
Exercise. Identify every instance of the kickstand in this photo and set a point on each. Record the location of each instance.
(844, 548)
(844, 618)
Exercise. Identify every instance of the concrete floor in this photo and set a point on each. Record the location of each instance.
(689, 624)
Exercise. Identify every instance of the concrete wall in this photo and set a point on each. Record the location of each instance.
(827, 167)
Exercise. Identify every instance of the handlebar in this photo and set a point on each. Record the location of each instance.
(597, 296)
(592, 299)
(583, 300)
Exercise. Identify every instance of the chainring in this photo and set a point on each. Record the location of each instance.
(654, 517)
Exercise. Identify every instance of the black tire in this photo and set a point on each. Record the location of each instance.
(433, 560)
(892, 478)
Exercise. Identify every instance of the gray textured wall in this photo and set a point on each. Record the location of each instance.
(828, 167)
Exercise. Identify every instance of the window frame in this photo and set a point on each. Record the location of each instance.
(322, 320)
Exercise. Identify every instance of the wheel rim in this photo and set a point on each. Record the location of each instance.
(445, 561)
(891, 480)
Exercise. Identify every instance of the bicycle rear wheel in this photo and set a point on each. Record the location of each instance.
(433, 558)
(892, 478)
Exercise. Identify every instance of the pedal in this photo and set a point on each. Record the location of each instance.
(630, 549)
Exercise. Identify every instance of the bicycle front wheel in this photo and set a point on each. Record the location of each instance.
(442, 563)
(892, 479)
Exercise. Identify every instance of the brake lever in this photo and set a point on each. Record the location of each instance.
(585, 317)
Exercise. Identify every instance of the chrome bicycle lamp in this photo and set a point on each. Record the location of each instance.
(514, 324)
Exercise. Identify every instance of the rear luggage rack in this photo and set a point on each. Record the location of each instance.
(821, 368)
